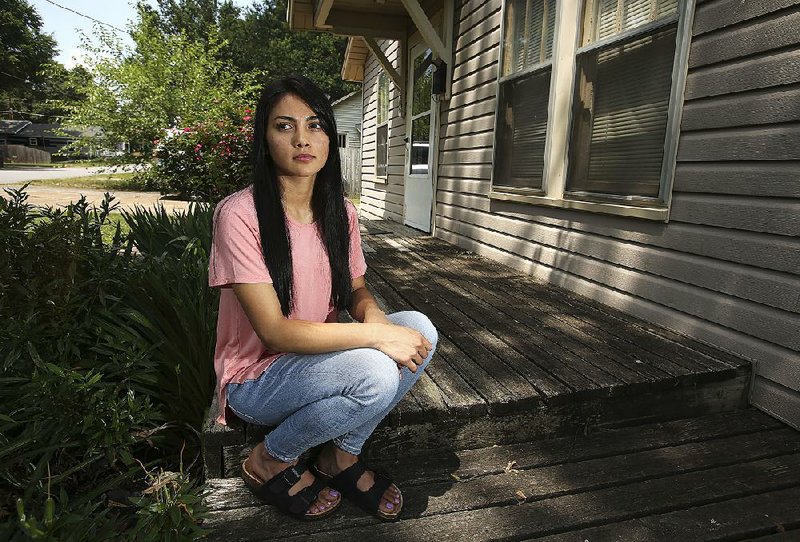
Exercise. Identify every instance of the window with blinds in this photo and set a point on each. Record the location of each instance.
(524, 93)
(621, 99)
(382, 139)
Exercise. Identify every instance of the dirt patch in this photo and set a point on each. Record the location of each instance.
(40, 195)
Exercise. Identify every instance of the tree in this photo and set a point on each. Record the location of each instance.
(263, 42)
(257, 40)
(27, 52)
(165, 81)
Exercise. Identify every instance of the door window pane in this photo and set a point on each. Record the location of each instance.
(420, 144)
(423, 82)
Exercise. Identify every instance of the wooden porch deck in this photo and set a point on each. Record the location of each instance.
(543, 413)
(726, 476)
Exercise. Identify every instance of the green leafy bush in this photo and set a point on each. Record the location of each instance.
(107, 354)
(207, 161)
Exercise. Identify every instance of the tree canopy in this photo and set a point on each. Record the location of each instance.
(257, 40)
(167, 80)
(27, 55)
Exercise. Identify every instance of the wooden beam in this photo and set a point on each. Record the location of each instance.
(387, 65)
(321, 10)
(397, 76)
(375, 25)
(425, 28)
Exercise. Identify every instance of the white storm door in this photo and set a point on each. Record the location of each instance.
(420, 137)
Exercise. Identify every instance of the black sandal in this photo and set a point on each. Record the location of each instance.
(369, 500)
(275, 491)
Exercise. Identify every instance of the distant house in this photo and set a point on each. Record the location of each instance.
(48, 137)
(347, 111)
(647, 157)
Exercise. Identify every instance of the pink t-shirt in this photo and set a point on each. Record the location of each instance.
(236, 257)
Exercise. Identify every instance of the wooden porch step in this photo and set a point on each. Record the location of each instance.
(517, 359)
(726, 476)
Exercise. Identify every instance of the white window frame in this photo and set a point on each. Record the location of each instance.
(569, 18)
(342, 140)
(378, 125)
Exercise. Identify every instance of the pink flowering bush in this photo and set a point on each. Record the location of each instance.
(203, 162)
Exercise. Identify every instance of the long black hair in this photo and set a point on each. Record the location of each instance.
(327, 198)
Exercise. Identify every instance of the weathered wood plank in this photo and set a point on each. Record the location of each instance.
(758, 36)
(612, 327)
(758, 320)
(780, 142)
(548, 243)
(463, 331)
(729, 520)
(458, 395)
(442, 466)
(769, 215)
(780, 401)
(478, 323)
(559, 339)
(499, 489)
(767, 70)
(723, 13)
(755, 249)
(470, 363)
(552, 515)
(775, 179)
(774, 105)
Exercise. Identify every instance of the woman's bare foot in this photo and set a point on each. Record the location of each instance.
(263, 466)
(333, 460)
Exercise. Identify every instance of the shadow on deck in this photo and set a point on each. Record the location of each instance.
(517, 359)
(543, 415)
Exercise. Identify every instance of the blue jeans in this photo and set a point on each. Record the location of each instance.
(339, 396)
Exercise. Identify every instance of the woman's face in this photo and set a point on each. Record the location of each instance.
(296, 141)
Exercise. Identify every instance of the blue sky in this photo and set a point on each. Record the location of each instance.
(65, 26)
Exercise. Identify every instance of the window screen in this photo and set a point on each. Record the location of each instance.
(523, 100)
(621, 102)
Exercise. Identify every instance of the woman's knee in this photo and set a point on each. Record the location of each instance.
(416, 320)
(378, 377)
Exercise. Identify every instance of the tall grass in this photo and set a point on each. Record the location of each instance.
(107, 353)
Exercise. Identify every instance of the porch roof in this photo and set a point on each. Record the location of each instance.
(386, 19)
(364, 22)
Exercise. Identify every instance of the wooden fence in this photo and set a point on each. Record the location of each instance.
(351, 170)
(25, 155)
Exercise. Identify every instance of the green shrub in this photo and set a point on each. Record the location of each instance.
(206, 162)
(107, 369)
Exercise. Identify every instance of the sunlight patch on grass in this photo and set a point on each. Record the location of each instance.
(105, 181)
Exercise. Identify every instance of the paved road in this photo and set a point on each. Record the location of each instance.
(19, 175)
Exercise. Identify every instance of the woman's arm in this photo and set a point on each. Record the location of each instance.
(260, 303)
(364, 308)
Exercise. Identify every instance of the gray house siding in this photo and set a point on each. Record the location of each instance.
(725, 267)
(382, 197)
(348, 118)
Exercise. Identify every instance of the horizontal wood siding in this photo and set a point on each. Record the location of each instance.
(382, 197)
(348, 119)
(726, 268)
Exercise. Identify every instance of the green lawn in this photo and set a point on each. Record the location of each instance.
(110, 226)
(104, 181)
